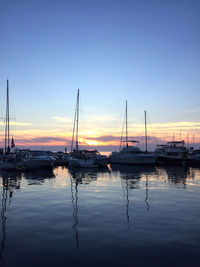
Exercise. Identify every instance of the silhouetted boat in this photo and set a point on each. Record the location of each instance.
(173, 153)
(37, 160)
(194, 157)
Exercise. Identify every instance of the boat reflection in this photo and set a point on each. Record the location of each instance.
(178, 175)
(86, 175)
(38, 177)
(133, 174)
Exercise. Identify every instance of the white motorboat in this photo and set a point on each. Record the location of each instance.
(172, 153)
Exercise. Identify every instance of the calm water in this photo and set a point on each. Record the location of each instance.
(121, 216)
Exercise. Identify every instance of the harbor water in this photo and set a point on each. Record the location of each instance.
(118, 216)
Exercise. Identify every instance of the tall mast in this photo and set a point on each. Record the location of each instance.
(8, 115)
(75, 125)
(145, 121)
(7, 126)
(77, 117)
(126, 126)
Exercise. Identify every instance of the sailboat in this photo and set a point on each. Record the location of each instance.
(10, 161)
(132, 154)
(83, 158)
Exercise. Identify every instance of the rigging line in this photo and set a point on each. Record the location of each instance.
(72, 144)
(123, 126)
(121, 139)
(75, 124)
(155, 139)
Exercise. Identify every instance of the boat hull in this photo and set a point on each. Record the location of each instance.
(13, 165)
(140, 159)
(82, 163)
(37, 164)
(167, 161)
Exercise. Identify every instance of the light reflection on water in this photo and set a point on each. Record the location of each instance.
(119, 216)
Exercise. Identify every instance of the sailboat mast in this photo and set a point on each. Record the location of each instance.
(145, 122)
(126, 126)
(8, 115)
(7, 126)
(77, 117)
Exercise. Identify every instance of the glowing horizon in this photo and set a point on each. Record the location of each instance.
(105, 137)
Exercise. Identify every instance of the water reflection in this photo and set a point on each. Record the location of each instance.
(147, 192)
(178, 175)
(80, 176)
(130, 179)
(132, 174)
(84, 176)
(152, 214)
(126, 194)
(74, 192)
(38, 177)
(10, 181)
(3, 224)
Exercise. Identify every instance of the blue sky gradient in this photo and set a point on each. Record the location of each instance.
(146, 52)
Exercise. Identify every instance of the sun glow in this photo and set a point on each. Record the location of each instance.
(93, 143)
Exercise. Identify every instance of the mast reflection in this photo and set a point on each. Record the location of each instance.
(130, 179)
(80, 176)
(3, 224)
(75, 208)
(10, 181)
(147, 192)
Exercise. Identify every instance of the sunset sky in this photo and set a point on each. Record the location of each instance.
(143, 51)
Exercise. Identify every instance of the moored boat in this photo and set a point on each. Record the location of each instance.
(37, 160)
(133, 154)
(194, 157)
(173, 153)
(83, 158)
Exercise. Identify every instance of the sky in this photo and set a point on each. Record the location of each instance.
(143, 51)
